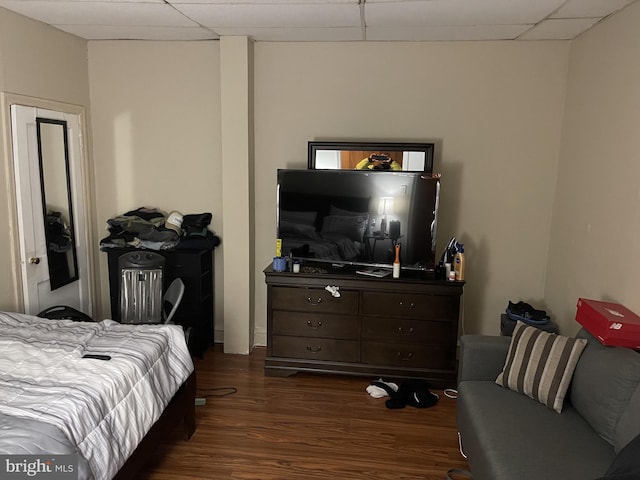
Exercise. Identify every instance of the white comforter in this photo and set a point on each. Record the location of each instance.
(103, 407)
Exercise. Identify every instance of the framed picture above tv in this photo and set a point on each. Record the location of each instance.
(373, 156)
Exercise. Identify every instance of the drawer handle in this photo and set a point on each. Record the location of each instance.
(313, 350)
(316, 326)
(402, 331)
(411, 305)
(406, 357)
(314, 303)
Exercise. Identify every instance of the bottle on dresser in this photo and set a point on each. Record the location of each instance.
(458, 262)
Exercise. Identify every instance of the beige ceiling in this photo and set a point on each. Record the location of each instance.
(321, 20)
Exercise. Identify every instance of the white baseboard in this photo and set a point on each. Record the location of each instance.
(259, 337)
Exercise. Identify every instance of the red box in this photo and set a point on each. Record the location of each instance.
(611, 323)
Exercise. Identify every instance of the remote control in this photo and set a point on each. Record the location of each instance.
(97, 357)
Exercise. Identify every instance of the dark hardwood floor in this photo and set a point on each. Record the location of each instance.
(306, 426)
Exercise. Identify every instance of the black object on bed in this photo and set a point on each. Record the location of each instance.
(63, 312)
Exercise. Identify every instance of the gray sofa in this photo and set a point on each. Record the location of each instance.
(507, 435)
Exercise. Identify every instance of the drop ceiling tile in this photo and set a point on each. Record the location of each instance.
(102, 32)
(590, 8)
(458, 33)
(112, 2)
(319, 20)
(261, 2)
(271, 16)
(346, 34)
(98, 13)
(98, 1)
(559, 29)
(457, 12)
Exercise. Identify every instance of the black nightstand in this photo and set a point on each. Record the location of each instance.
(370, 250)
(195, 268)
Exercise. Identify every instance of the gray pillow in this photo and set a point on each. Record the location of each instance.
(291, 229)
(351, 226)
(304, 218)
(346, 213)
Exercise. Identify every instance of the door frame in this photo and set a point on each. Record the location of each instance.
(6, 100)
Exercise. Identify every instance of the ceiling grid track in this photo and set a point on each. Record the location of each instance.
(322, 20)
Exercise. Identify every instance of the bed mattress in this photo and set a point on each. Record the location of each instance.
(100, 409)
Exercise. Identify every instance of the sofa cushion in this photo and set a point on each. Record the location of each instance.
(629, 424)
(508, 436)
(482, 356)
(603, 383)
(541, 364)
(626, 465)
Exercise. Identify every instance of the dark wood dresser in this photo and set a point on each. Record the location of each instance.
(394, 328)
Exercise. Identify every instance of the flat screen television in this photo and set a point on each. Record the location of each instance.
(356, 217)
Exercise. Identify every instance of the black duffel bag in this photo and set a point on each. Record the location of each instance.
(61, 312)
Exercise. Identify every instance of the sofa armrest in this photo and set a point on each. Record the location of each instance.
(482, 357)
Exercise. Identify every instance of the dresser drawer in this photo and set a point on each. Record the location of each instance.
(306, 324)
(407, 330)
(407, 355)
(314, 300)
(410, 305)
(315, 348)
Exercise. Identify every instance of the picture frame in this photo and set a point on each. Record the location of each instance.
(373, 156)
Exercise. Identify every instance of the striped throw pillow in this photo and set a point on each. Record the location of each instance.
(540, 364)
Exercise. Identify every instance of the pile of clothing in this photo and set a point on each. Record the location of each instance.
(58, 233)
(413, 392)
(150, 228)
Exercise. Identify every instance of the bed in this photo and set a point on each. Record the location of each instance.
(319, 229)
(54, 400)
(324, 246)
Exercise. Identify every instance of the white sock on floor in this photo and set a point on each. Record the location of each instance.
(376, 392)
(382, 389)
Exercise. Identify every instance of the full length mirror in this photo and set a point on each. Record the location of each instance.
(409, 157)
(53, 155)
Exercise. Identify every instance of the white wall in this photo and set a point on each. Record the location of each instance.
(156, 123)
(494, 110)
(44, 63)
(594, 249)
(236, 82)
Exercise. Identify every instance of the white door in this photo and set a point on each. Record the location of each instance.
(53, 271)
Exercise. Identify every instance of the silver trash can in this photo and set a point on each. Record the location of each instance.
(141, 287)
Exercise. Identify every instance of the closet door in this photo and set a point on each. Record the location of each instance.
(51, 209)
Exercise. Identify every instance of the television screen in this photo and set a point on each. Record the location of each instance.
(353, 217)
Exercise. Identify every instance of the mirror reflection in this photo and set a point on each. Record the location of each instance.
(411, 157)
(53, 155)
